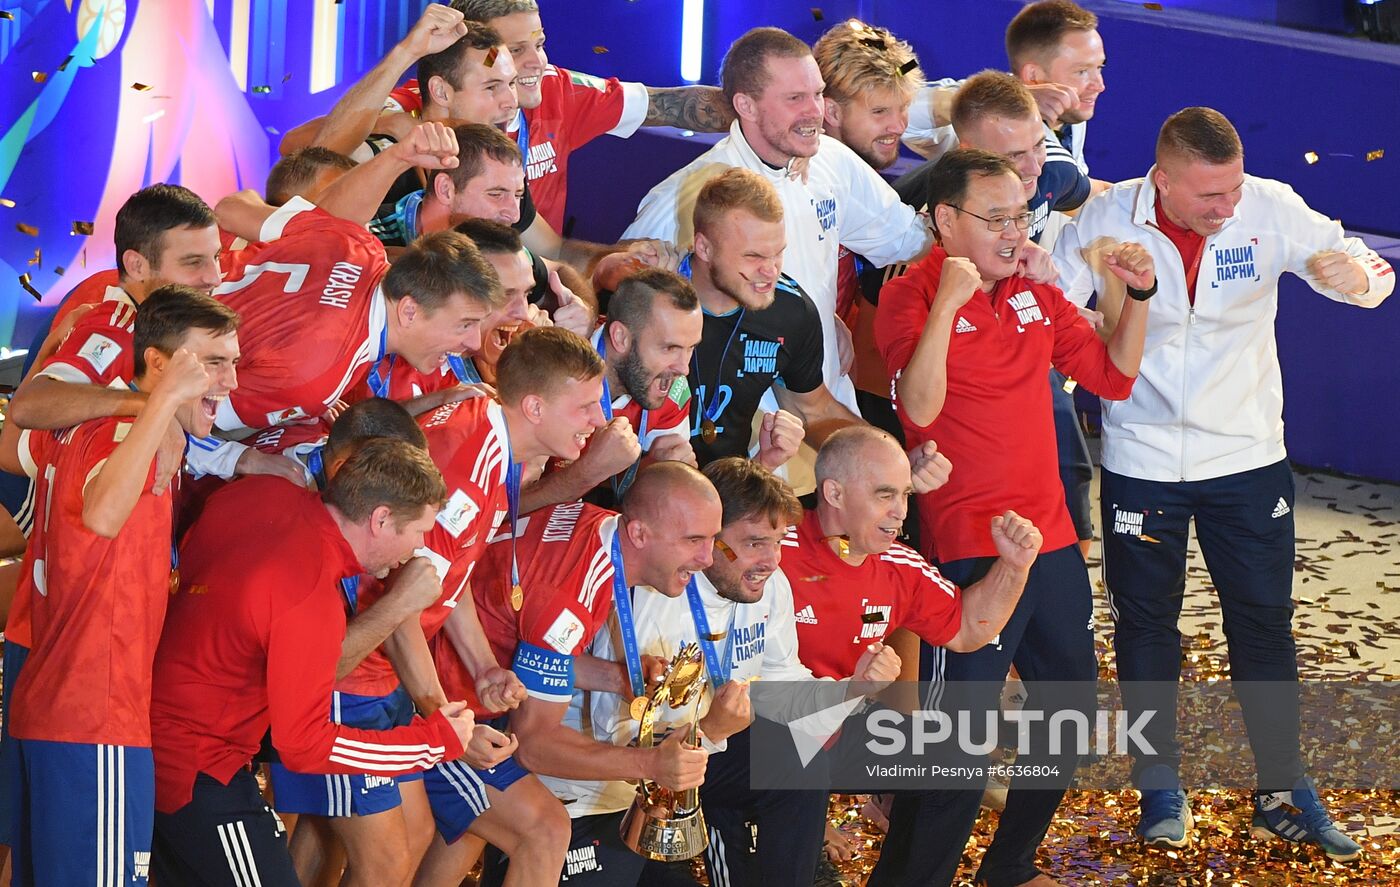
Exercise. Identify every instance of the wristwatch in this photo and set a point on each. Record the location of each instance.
(1138, 295)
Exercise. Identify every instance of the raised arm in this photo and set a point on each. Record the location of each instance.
(110, 496)
(697, 108)
(357, 114)
(922, 386)
(988, 603)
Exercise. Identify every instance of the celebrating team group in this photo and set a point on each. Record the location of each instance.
(378, 483)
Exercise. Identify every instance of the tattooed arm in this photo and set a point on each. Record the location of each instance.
(697, 108)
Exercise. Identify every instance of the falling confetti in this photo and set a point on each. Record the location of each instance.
(140, 87)
(154, 116)
(5, 201)
(817, 14)
(59, 270)
(599, 50)
(7, 16)
(38, 258)
(908, 66)
(39, 76)
(29, 287)
(83, 228)
(262, 89)
(1375, 155)
(1311, 157)
(27, 229)
(64, 66)
(1155, 7)
(286, 77)
(490, 60)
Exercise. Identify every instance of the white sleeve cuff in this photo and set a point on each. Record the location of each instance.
(635, 102)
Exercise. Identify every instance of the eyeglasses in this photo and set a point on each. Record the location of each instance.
(1000, 223)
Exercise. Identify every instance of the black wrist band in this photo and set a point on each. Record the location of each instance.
(1138, 295)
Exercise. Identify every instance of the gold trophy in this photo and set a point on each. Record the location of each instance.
(662, 824)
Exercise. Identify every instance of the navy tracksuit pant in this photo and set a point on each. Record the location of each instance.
(1244, 523)
(1049, 637)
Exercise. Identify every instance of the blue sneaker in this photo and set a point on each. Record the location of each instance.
(1165, 819)
(1299, 816)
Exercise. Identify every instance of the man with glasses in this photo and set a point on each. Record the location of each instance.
(967, 338)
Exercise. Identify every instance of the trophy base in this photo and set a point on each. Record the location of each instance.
(664, 840)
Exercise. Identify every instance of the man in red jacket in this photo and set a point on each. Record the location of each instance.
(251, 641)
(968, 340)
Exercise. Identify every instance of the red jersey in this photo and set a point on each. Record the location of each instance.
(841, 608)
(95, 604)
(574, 110)
(468, 442)
(996, 425)
(92, 290)
(313, 318)
(1188, 243)
(99, 348)
(566, 572)
(252, 640)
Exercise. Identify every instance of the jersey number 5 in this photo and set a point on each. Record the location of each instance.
(296, 276)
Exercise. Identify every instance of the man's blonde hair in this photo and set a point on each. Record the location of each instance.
(855, 58)
(736, 188)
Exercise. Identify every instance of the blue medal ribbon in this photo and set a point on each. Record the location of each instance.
(379, 382)
(316, 464)
(522, 139)
(716, 667)
(350, 587)
(463, 369)
(622, 603)
(513, 504)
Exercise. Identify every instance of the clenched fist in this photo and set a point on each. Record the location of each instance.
(1016, 539)
(1132, 264)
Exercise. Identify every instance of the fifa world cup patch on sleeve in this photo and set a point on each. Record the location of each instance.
(565, 633)
(458, 513)
(588, 80)
(99, 351)
(679, 393)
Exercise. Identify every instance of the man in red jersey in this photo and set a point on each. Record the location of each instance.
(653, 325)
(322, 308)
(251, 641)
(967, 339)
(96, 579)
(853, 584)
(574, 560)
(164, 234)
(478, 444)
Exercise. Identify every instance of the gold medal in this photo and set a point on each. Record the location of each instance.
(517, 598)
(174, 581)
(639, 707)
(707, 430)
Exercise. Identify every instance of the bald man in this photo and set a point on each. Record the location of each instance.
(860, 584)
(575, 563)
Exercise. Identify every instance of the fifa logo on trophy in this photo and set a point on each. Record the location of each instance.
(661, 824)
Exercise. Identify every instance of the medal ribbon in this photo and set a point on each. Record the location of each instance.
(622, 602)
(379, 384)
(513, 503)
(718, 669)
(463, 369)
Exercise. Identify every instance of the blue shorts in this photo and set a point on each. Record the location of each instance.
(11, 780)
(457, 792)
(86, 814)
(341, 794)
